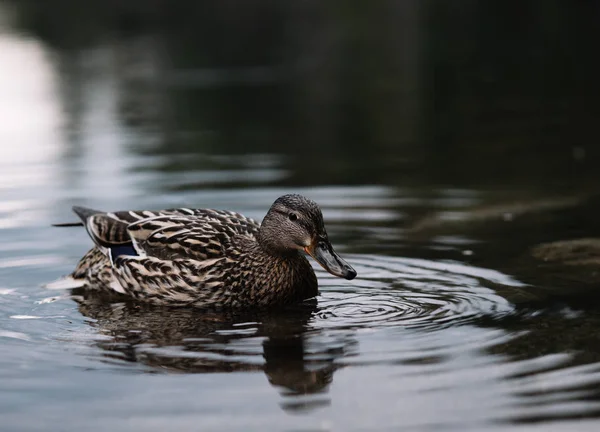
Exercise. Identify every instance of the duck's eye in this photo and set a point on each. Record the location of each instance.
(293, 217)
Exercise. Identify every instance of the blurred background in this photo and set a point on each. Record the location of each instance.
(398, 93)
(453, 146)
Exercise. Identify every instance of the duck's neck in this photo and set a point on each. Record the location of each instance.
(271, 244)
(290, 275)
(300, 280)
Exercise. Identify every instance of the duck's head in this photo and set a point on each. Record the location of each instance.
(295, 223)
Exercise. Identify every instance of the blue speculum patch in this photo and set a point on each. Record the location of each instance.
(120, 250)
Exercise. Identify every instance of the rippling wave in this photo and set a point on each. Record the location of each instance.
(411, 293)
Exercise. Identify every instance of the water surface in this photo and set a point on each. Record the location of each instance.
(452, 323)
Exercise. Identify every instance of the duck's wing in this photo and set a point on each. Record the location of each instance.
(197, 234)
(199, 237)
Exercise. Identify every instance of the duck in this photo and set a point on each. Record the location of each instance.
(207, 258)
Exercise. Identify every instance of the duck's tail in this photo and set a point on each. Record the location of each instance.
(68, 224)
(85, 213)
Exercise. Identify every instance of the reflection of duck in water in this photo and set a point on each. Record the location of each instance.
(181, 340)
(208, 258)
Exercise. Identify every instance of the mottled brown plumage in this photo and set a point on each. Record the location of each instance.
(209, 258)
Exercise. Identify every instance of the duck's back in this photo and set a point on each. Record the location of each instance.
(118, 227)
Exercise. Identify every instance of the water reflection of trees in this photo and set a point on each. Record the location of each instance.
(356, 92)
(194, 341)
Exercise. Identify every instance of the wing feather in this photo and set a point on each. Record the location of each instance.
(197, 234)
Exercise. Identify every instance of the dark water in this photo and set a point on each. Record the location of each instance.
(442, 151)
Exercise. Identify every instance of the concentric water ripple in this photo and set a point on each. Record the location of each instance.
(412, 293)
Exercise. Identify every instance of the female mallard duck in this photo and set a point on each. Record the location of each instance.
(208, 258)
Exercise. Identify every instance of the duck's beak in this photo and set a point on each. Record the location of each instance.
(322, 251)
